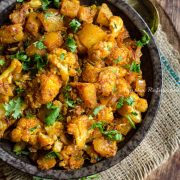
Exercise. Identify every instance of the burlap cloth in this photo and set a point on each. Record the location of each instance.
(162, 140)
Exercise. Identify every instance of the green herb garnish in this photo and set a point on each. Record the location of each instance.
(134, 113)
(75, 25)
(144, 40)
(113, 135)
(71, 44)
(52, 155)
(14, 108)
(130, 121)
(19, 90)
(129, 101)
(95, 176)
(48, 14)
(2, 62)
(40, 62)
(53, 115)
(97, 109)
(135, 67)
(34, 128)
(40, 45)
(62, 56)
(118, 60)
(120, 103)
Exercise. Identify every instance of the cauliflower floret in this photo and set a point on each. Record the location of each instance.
(46, 163)
(72, 157)
(106, 115)
(99, 52)
(93, 155)
(78, 128)
(48, 85)
(66, 62)
(105, 147)
(115, 25)
(118, 56)
(107, 81)
(87, 93)
(27, 130)
(141, 105)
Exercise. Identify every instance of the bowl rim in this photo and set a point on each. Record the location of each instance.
(135, 139)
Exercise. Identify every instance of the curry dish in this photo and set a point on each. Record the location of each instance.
(71, 86)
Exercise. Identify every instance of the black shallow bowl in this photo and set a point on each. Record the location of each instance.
(152, 73)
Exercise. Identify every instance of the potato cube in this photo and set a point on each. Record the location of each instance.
(70, 8)
(104, 15)
(53, 40)
(90, 35)
(11, 34)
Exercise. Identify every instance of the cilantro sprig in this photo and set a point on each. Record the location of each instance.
(75, 25)
(2, 62)
(14, 108)
(113, 135)
(53, 114)
(52, 155)
(129, 101)
(40, 45)
(47, 3)
(71, 44)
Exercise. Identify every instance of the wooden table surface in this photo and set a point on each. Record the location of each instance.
(170, 15)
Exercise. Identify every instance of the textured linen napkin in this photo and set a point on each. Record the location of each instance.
(162, 140)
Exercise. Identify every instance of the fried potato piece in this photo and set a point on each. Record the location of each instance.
(45, 163)
(53, 40)
(87, 92)
(78, 128)
(11, 34)
(141, 105)
(70, 8)
(90, 35)
(51, 20)
(72, 157)
(87, 14)
(35, 3)
(122, 88)
(104, 15)
(140, 87)
(105, 147)
(27, 130)
(33, 24)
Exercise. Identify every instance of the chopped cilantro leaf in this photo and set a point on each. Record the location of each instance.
(19, 90)
(75, 25)
(144, 40)
(34, 128)
(135, 67)
(97, 109)
(39, 61)
(71, 44)
(2, 62)
(129, 101)
(118, 60)
(113, 135)
(57, 3)
(14, 108)
(62, 56)
(40, 45)
(52, 155)
(95, 176)
(134, 113)
(53, 114)
(120, 103)
(130, 121)
(45, 4)
(48, 14)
